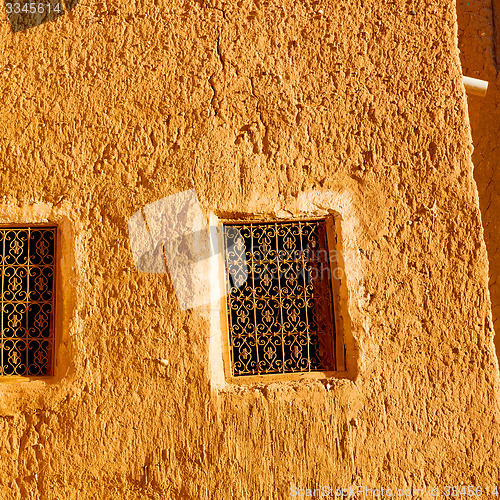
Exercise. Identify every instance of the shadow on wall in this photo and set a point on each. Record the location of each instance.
(25, 14)
(478, 40)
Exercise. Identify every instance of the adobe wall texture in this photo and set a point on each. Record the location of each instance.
(479, 32)
(261, 107)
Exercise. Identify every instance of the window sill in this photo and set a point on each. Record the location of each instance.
(273, 378)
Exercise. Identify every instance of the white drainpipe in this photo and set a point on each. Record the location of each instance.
(474, 86)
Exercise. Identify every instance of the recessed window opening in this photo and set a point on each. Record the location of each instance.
(280, 299)
(27, 271)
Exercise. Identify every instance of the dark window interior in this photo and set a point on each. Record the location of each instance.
(27, 265)
(279, 297)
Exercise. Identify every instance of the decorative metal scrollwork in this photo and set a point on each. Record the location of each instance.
(280, 312)
(27, 265)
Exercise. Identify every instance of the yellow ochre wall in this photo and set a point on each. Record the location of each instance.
(262, 107)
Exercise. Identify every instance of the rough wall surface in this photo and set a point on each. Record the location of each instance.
(478, 32)
(261, 107)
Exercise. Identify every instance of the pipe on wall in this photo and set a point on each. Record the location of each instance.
(474, 86)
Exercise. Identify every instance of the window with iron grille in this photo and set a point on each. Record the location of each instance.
(27, 270)
(279, 296)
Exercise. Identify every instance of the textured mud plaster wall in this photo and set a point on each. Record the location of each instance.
(478, 35)
(259, 107)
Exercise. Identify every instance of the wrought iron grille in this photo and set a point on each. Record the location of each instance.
(27, 265)
(279, 298)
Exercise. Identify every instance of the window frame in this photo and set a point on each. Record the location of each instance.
(332, 224)
(51, 365)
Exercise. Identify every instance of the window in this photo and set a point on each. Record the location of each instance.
(27, 270)
(281, 298)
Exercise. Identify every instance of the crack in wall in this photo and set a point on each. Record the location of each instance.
(215, 101)
(265, 138)
(214, 94)
(221, 11)
(217, 49)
